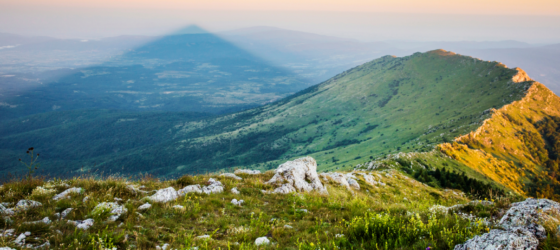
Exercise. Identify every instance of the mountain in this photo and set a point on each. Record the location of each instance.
(192, 72)
(389, 105)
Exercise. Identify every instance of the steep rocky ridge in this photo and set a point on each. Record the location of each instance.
(508, 147)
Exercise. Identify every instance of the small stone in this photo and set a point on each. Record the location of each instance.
(115, 210)
(66, 194)
(24, 205)
(144, 207)
(246, 171)
(234, 191)
(20, 239)
(65, 212)
(237, 202)
(179, 207)
(262, 241)
(288, 227)
(339, 236)
(214, 187)
(203, 237)
(230, 175)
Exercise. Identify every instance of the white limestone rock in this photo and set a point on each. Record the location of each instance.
(336, 177)
(521, 227)
(203, 237)
(135, 189)
(516, 238)
(234, 191)
(179, 207)
(233, 176)
(164, 195)
(237, 202)
(298, 175)
(6, 248)
(262, 241)
(190, 189)
(164, 247)
(65, 213)
(247, 171)
(20, 240)
(6, 211)
(82, 224)
(214, 187)
(24, 205)
(115, 210)
(7, 232)
(144, 207)
(66, 194)
(45, 220)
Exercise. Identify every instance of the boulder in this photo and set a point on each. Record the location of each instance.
(66, 194)
(190, 189)
(115, 210)
(246, 171)
(521, 227)
(164, 195)
(528, 213)
(214, 187)
(299, 175)
(233, 176)
(516, 238)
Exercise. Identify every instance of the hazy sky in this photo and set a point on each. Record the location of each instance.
(536, 21)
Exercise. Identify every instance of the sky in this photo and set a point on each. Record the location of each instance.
(536, 21)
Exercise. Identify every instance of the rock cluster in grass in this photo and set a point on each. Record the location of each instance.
(520, 227)
(299, 175)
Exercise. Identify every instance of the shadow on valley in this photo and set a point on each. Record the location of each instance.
(189, 70)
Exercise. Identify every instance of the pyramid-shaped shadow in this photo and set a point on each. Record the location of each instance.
(188, 70)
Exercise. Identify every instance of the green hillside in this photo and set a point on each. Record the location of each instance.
(385, 106)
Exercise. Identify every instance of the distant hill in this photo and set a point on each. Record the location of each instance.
(386, 106)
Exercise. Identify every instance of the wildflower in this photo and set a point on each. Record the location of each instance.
(428, 248)
(311, 244)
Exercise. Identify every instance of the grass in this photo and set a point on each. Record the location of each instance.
(352, 215)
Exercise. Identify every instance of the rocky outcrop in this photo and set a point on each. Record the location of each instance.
(520, 227)
(299, 175)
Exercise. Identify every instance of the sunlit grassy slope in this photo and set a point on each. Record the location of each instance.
(387, 105)
(510, 147)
